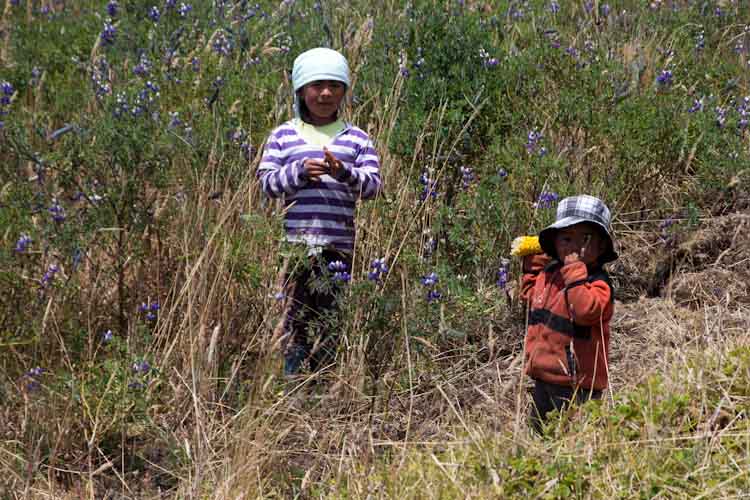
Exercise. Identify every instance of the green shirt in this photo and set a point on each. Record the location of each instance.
(318, 135)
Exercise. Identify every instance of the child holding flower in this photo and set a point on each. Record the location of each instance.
(321, 166)
(571, 302)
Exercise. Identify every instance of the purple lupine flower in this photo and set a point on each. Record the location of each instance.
(433, 296)
(251, 61)
(605, 9)
(23, 243)
(101, 87)
(152, 87)
(337, 266)
(744, 111)
(174, 120)
(32, 379)
(467, 176)
(7, 92)
(554, 7)
(430, 280)
(143, 68)
(429, 247)
(112, 8)
(664, 234)
(502, 274)
(429, 186)
(379, 267)
(121, 105)
(108, 33)
(533, 143)
(664, 78)
(184, 9)
(154, 14)
(49, 275)
(697, 106)
(169, 4)
(721, 116)
(149, 307)
(141, 366)
(36, 74)
(279, 296)
(342, 277)
(57, 211)
(195, 63)
(502, 173)
(487, 61)
(546, 199)
(221, 44)
(107, 336)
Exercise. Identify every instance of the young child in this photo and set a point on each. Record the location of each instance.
(571, 302)
(321, 166)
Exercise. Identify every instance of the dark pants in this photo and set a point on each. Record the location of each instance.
(313, 295)
(550, 397)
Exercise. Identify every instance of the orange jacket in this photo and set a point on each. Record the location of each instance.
(567, 342)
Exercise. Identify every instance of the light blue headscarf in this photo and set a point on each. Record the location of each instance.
(318, 64)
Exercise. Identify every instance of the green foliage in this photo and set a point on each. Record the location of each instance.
(126, 161)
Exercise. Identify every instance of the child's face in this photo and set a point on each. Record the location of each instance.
(322, 98)
(583, 240)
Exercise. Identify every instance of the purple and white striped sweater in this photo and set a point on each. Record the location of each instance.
(319, 213)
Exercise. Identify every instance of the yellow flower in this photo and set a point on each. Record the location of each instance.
(525, 245)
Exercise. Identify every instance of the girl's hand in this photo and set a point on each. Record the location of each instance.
(315, 168)
(334, 164)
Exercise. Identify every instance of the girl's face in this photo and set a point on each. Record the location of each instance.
(322, 98)
(582, 239)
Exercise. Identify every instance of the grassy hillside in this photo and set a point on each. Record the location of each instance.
(140, 264)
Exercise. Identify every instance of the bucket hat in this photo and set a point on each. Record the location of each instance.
(574, 210)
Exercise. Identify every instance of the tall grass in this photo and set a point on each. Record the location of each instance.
(425, 399)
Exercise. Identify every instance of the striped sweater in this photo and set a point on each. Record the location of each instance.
(319, 213)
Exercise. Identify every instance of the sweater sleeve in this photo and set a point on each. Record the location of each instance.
(532, 266)
(278, 178)
(589, 302)
(363, 177)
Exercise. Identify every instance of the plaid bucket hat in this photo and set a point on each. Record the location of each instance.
(574, 210)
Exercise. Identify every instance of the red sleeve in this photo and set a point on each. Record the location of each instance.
(532, 266)
(589, 302)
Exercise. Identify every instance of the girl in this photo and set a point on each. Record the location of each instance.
(321, 165)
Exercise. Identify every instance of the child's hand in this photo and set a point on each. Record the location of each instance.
(314, 169)
(571, 258)
(334, 164)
